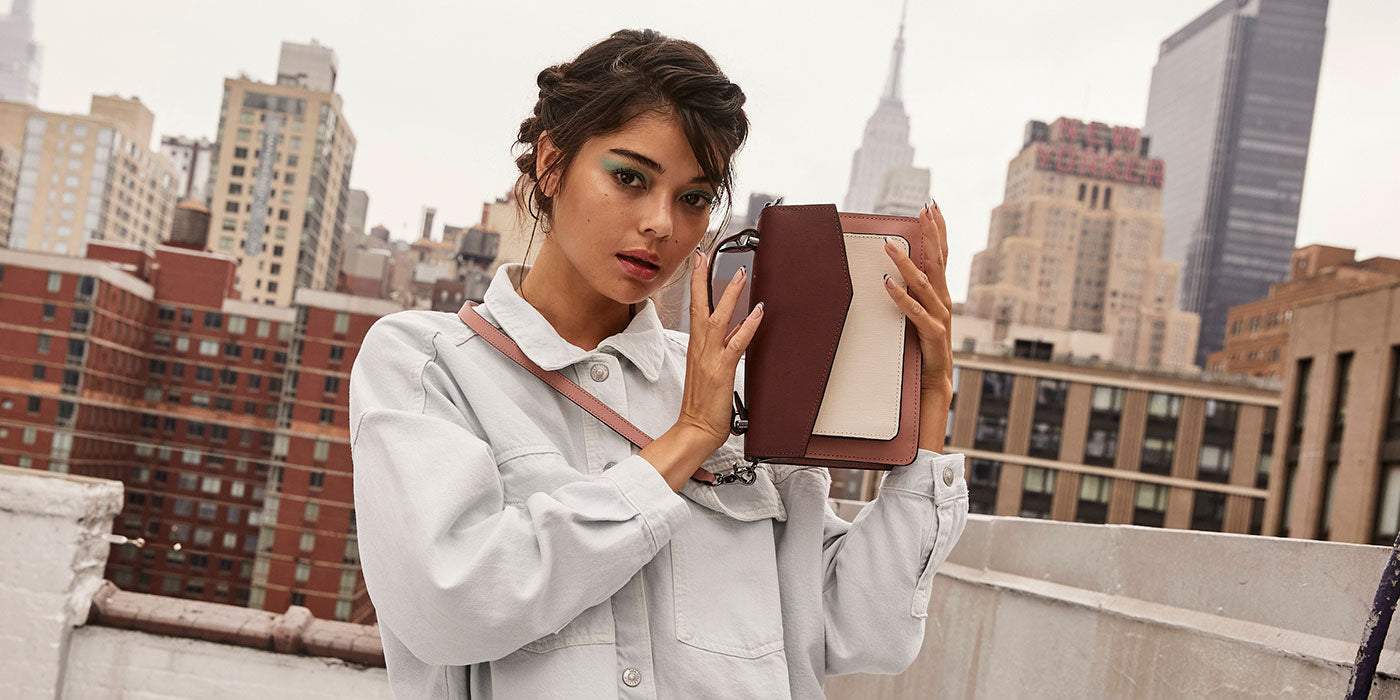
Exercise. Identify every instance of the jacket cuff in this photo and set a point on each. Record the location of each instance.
(931, 474)
(662, 509)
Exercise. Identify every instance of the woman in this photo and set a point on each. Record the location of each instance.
(515, 547)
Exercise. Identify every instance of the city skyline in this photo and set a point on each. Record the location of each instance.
(458, 155)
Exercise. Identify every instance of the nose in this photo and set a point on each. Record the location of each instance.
(657, 217)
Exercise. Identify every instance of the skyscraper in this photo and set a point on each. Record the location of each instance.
(280, 184)
(20, 57)
(884, 147)
(1076, 245)
(1230, 111)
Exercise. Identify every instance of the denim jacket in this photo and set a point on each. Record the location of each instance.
(515, 547)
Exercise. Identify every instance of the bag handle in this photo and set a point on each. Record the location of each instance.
(563, 384)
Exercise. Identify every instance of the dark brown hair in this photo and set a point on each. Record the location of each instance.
(628, 74)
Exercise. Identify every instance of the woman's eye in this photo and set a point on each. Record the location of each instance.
(698, 200)
(627, 177)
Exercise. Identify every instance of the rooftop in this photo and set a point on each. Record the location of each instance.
(1022, 608)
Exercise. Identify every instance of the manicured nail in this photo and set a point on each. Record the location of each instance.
(739, 273)
(889, 281)
(935, 203)
(889, 243)
(758, 310)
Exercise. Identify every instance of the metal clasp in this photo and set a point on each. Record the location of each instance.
(739, 421)
(742, 473)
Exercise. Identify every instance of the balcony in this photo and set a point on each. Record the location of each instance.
(1022, 608)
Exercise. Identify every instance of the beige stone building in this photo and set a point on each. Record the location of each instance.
(1256, 334)
(281, 181)
(88, 177)
(1339, 421)
(1076, 245)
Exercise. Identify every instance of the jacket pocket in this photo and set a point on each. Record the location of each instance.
(592, 626)
(724, 575)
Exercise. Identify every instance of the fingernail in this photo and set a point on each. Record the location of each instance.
(739, 273)
(889, 281)
(758, 310)
(935, 203)
(889, 242)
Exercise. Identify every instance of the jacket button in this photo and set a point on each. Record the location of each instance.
(599, 372)
(948, 476)
(632, 677)
(609, 465)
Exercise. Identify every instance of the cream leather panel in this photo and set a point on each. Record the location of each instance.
(862, 394)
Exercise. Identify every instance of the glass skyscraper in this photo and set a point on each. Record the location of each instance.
(1230, 111)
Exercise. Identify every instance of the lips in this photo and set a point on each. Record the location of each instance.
(640, 261)
(638, 269)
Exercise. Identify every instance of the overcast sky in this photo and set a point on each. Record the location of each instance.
(434, 91)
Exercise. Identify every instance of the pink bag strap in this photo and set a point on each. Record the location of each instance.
(561, 383)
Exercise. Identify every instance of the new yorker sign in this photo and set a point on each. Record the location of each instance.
(1095, 149)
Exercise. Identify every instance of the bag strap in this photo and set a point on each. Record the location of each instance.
(562, 384)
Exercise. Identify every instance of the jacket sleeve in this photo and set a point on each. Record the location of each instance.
(879, 567)
(459, 576)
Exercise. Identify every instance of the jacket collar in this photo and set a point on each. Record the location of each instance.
(642, 342)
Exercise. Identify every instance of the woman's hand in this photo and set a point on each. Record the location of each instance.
(712, 358)
(929, 306)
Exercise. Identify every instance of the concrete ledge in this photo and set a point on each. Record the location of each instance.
(1046, 609)
(57, 495)
(1306, 647)
(294, 632)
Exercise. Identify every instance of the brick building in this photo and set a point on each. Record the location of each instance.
(148, 368)
(1339, 421)
(1256, 334)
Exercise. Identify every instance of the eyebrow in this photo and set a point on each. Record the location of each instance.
(699, 179)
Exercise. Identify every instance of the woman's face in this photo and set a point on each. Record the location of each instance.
(631, 207)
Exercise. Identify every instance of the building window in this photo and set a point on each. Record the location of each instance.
(1094, 494)
(1295, 439)
(312, 511)
(1150, 505)
(308, 541)
(55, 281)
(342, 323)
(303, 571)
(318, 479)
(332, 385)
(1157, 453)
(1038, 490)
(983, 477)
(1208, 512)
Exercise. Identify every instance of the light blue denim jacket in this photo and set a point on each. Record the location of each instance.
(515, 547)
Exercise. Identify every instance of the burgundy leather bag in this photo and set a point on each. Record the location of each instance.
(831, 377)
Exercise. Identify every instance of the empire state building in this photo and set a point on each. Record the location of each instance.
(883, 178)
